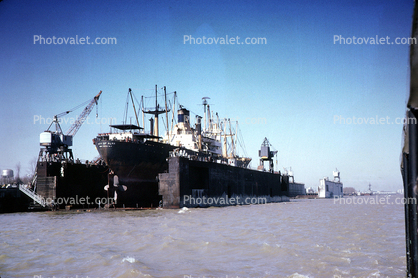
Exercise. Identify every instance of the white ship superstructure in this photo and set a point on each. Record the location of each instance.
(210, 138)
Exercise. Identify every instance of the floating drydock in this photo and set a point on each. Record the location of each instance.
(331, 189)
(295, 189)
(191, 166)
(189, 162)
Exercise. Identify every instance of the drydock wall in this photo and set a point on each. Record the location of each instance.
(190, 183)
(66, 183)
(296, 189)
(330, 189)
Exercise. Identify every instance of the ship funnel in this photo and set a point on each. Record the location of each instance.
(183, 116)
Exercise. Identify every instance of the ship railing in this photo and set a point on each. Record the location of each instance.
(32, 195)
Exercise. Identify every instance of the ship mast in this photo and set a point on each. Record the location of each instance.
(232, 139)
(166, 110)
(174, 108)
(156, 112)
(133, 103)
(205, 103)
(143, 116)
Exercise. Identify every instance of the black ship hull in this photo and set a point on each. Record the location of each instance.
(135, 162)
(137, 165)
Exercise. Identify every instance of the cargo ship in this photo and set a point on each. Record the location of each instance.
(208, 150)
(137, 156)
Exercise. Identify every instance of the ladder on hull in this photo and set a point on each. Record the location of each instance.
(35, 197)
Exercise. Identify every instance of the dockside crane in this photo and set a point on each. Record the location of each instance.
(55, 144)
(82, 117)
(266, 155)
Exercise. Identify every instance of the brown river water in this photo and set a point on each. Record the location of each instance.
(300, 238)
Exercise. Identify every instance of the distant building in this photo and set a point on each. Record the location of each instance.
(349, 191)
(310, 191)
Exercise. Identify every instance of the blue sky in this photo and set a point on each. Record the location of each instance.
(296, 84)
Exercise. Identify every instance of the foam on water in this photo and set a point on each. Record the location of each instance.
(297, 275)
(129, 260)
(184, 210)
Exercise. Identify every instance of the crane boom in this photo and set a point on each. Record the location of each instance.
(82, 117)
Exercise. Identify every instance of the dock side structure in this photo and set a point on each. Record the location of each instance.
(331, 189)
(192, 183)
